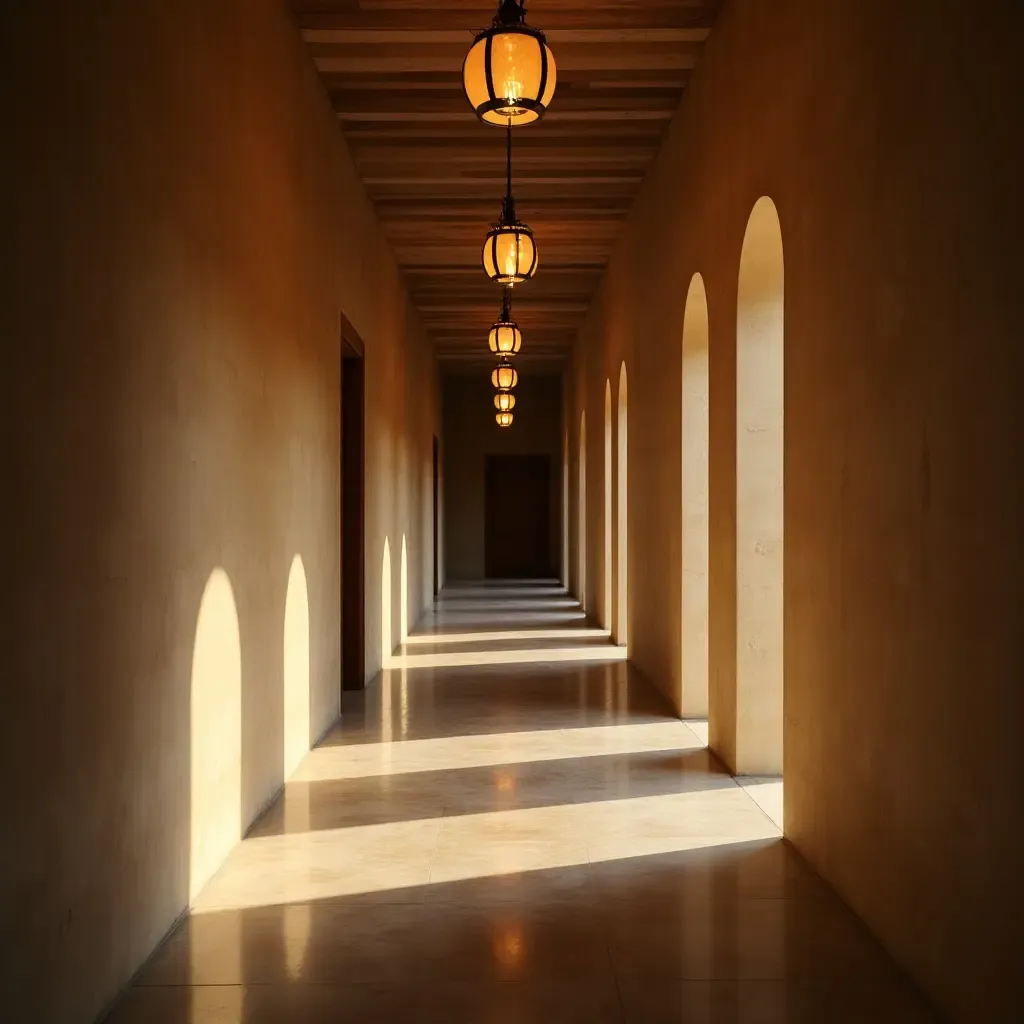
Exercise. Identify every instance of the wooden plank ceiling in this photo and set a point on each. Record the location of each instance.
(393, 70)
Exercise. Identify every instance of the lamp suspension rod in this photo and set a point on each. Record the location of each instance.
(508, 160)
(506, 305)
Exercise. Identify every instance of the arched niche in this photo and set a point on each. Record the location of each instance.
(759, 495)
(695, 454)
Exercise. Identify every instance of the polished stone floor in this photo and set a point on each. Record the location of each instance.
(509, 826)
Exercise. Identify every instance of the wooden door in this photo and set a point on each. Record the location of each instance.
(518, 512)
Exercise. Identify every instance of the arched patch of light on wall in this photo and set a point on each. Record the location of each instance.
(386, 646)
(216, 732)
(296, 667)
(509, 73)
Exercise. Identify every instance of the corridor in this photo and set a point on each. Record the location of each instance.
(510, 825)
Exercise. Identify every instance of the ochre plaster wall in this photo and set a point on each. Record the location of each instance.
(184, 228)
(886, 134)
(471, 434)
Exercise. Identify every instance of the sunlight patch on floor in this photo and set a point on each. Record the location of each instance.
(362, 760)
(380, 858)
(766, 792)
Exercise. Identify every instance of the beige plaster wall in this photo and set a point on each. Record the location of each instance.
(471, 434)
(183, 230)
(886, 134)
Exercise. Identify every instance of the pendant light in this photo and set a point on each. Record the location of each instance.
(504, 419)
(505, 338)
(504, 376)
(510, 253)
(504, 401)
(509, 73)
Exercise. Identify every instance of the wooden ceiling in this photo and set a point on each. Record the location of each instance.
(393, 70)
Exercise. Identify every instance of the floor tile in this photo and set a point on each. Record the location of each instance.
(509, 842)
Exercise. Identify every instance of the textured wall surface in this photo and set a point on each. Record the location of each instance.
(470, 436)
(886, 135)
(183, 230)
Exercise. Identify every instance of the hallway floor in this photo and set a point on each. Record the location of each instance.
(509, 826)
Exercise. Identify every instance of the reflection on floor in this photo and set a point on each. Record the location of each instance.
(512, 843)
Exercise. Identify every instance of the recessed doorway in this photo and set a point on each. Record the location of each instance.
(518, 510)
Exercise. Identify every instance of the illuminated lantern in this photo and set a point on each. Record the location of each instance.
(504, 419)
(504, 376)
(505, 338)
(504, 401)
(509, 73)
(510, 253)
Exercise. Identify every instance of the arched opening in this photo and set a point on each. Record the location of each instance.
(296, 668)
(403, 596)
(216, 732)
(759, 495)
(581, 530)
(386, 644)
(608, 617)
(622, 544)
(695, 441)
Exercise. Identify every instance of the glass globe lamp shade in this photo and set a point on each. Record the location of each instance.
(505, 338)
(504, 376)
(509, 73)
(510, 254)
(504, 419)
(504, 401)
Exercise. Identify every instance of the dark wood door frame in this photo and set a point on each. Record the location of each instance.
(353, 526)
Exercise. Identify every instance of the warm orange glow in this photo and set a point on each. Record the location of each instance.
(504, 419)
(523, 87)
(510, 254)
(504, 401)
(505, 338)
(508, 948)
(504, 376)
